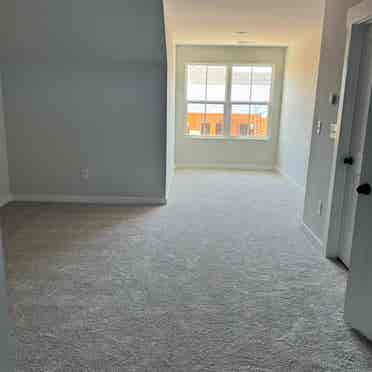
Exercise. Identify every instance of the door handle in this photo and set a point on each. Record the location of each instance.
(364, 189)
(349, 160)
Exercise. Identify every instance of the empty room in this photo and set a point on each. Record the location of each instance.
(185, 186)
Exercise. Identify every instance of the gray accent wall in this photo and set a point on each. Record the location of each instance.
(85, 87)
(6, 346)
(4, 174)
(329, 80)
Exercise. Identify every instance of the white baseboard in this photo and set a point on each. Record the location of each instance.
(123, 200)
(290, 180)
(5, 199)
(312, 237)
(227, 166)
(169, 183)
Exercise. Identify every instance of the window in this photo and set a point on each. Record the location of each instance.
(250, 100)
(206, 93)
(228, 101)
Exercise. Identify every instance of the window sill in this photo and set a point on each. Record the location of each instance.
(227, 138)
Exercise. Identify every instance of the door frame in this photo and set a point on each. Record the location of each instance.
(357, 19)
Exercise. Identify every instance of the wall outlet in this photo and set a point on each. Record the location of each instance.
(320, 207)
(84, 174)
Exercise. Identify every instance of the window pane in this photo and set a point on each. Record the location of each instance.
(249, 121)
(251, 83)
(205, 120)
(241, 83)
(195, 119)
(214, 118)
(216, 83)
(261, 84)
(196, 83)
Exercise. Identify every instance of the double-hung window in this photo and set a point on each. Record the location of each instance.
(229, 100)
(206, 97)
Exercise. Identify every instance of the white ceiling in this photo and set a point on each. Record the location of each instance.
(267, 22)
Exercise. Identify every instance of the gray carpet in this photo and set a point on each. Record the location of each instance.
(221, 279)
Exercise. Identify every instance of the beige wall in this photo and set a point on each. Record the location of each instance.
(329, 80)
(227, 152)
(298, 108)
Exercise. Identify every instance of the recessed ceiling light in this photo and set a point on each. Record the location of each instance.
(246, 42)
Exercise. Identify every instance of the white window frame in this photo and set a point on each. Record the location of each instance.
(227, 103)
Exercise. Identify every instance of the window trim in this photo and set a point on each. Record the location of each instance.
(227, 103)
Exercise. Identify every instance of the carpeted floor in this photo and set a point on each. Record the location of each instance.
(221, 279)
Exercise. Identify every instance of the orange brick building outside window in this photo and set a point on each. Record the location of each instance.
(242, 125)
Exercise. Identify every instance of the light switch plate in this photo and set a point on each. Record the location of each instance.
(319, 128)
(333, 131)
(320, 207)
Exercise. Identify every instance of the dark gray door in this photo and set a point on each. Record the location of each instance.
(358, 307)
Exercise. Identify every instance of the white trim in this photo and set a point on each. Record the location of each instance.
(361, 13)
(357, 18)
(312, 237)
(230, 44)
(169, 184)
(167, 193)
(58, 198)
(227, 166)
(5, 199)
(290, 179)
(226, 138)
